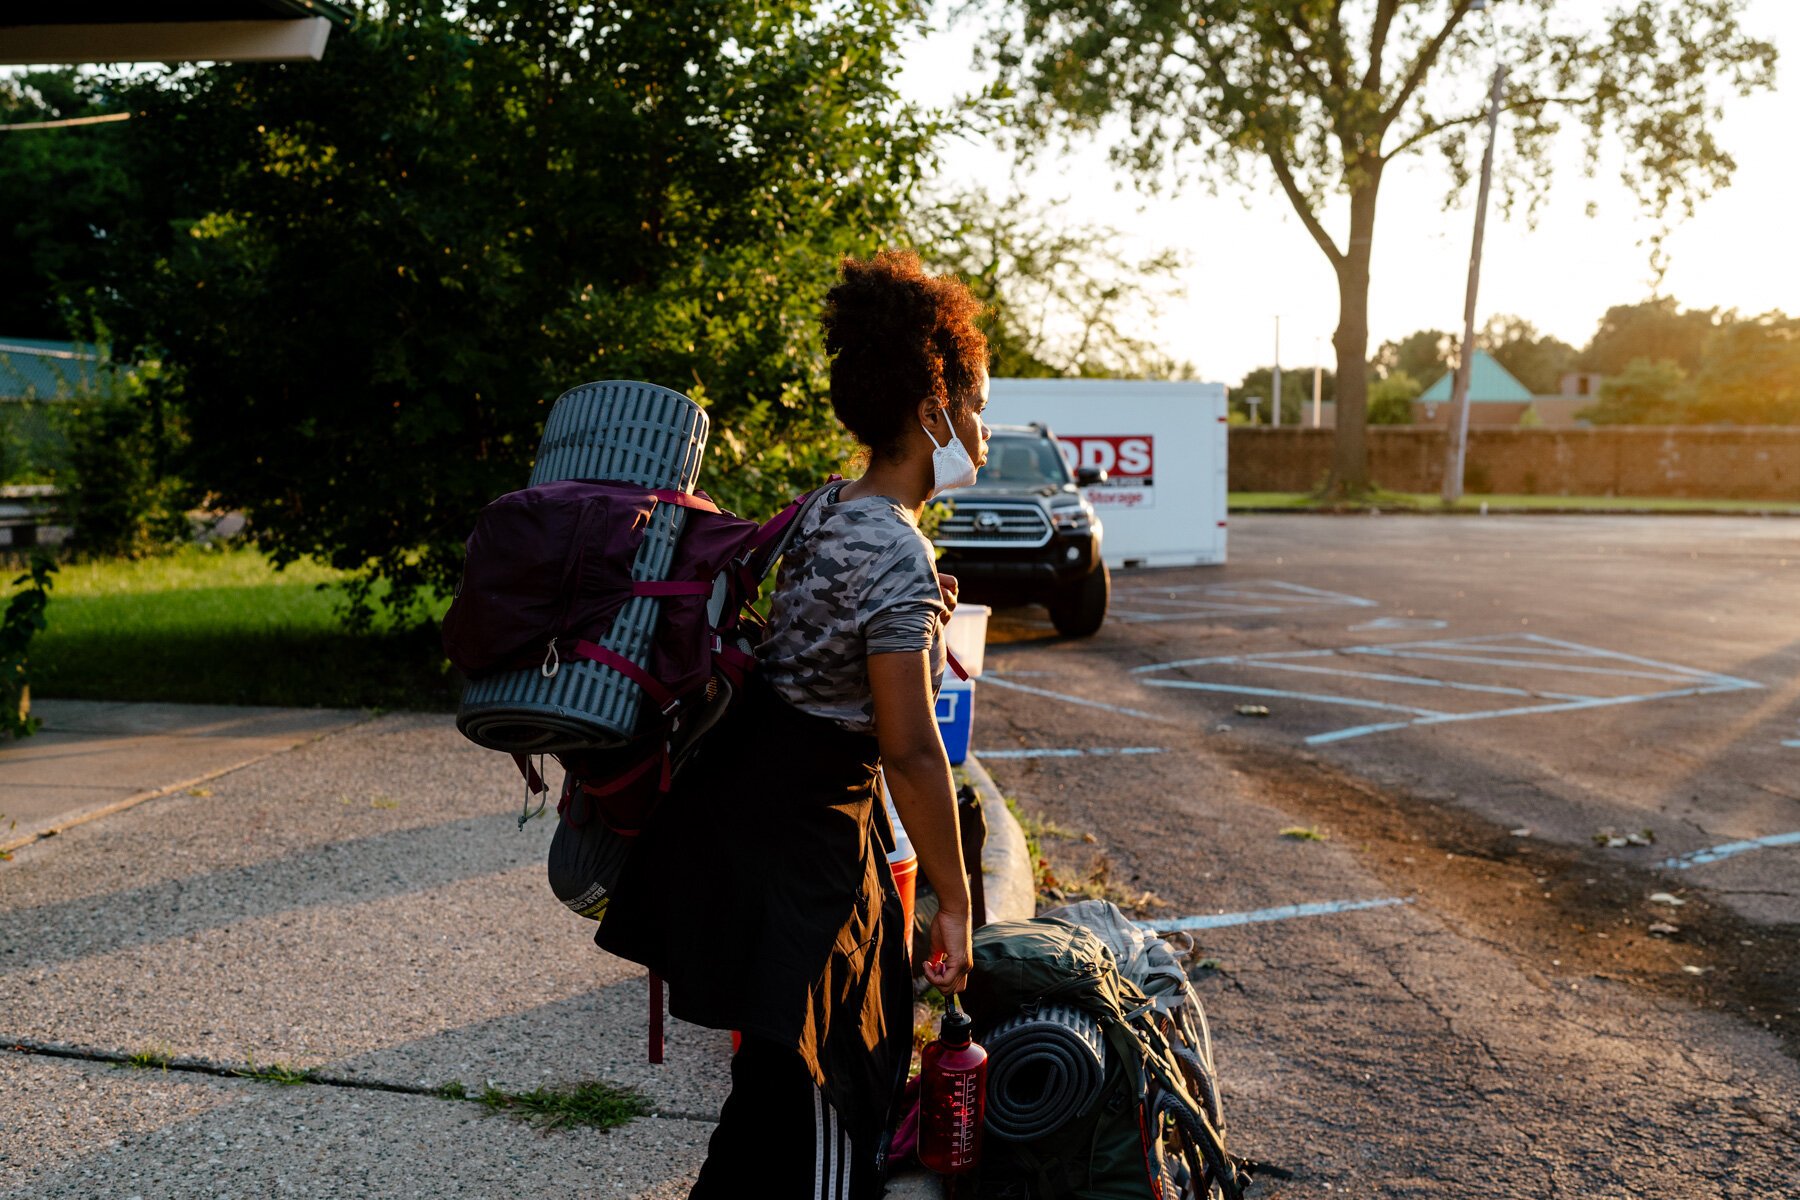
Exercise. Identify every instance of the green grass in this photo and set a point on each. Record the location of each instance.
(599, 1105)
(224, 627)
(1420, 502)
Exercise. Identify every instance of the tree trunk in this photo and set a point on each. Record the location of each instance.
(1350, 448)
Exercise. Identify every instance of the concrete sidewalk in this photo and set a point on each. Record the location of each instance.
(91, 758)
(356, 902)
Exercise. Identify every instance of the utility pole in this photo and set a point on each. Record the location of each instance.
(1275, 380)
(1458, 441)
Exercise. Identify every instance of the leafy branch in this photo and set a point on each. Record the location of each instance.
(24, 619)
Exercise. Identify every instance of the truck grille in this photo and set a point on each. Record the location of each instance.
(985, 523)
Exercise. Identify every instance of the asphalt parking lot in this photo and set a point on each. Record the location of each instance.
(1533, 927)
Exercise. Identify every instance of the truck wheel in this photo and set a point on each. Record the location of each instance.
(1080, 609)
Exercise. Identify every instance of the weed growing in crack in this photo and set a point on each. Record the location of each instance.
(277, 1073)
(1097, 884)
(153, 1058)
(600, 1105)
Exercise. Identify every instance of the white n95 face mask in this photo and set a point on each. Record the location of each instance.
(951, 466)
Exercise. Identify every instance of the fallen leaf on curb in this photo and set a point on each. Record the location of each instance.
(1664, 929)
(1521, 831)
(1090, 839)
(1252, 710)
(203, 793)
(1209, 964)
(1303, 833)
(1691, 970)
(1666, 898)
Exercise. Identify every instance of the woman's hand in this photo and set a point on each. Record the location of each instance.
(951, 952)
(948, 586)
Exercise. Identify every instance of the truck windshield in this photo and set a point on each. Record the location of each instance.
(1027, 460)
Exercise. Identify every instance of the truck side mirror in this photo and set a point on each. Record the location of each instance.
(1090, 476)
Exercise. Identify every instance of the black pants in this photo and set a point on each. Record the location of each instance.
(778, 1138)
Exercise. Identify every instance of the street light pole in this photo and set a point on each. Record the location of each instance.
(1456, 451)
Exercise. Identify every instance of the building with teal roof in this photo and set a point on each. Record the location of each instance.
(1496, 400)
(31, 369)
(1489, 383)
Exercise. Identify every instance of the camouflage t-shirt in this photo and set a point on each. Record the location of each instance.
(858, 579)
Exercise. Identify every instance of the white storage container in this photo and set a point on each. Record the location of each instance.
(1162, 446)
(966, 635)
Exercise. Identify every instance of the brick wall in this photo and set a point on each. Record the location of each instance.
(1748, 464)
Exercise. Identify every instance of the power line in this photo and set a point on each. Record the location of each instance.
(66, 122)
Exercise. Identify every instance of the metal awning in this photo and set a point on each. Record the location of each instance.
(69, 32)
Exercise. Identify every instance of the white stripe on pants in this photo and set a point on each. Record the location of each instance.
(831, 1153)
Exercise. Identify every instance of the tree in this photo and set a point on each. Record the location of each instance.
(393, 260)
(1296, 394)
(1536, 360)
(1060, 299)
(1653, 329)
(61, 192)
(1391, 398)
(1423, 355)
(1325, 94)
(1646, 392)
(1751, 373)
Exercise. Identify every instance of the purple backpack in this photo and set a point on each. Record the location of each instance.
(549, 569)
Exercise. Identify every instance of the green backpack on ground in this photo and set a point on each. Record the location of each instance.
(1153, 1130)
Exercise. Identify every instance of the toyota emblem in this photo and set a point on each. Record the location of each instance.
(987, 522)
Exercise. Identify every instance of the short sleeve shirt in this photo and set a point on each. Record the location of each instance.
(859, 578)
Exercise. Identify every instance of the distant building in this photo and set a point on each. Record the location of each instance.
(1580, 383)
(31, 369)
(1497, 400)
(36, 379)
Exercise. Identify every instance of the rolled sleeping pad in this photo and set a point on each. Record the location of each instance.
(586, 859)
(1044, 1070)
(628, 432)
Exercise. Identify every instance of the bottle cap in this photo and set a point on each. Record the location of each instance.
(956, 1029)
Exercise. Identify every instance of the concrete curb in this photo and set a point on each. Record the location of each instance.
(1011, 896)
(1005, 861)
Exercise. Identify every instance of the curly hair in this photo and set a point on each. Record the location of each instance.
(897, 336)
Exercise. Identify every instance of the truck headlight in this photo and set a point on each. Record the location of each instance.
(1071, 520)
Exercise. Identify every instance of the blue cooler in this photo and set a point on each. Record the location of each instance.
(956, 715)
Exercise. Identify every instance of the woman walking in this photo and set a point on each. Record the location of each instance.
(760, 891)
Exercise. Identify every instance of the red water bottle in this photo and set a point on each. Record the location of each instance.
(952, 1096)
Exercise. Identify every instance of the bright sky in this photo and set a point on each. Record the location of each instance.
(1249, 259)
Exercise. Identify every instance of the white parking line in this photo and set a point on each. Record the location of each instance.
(1730, 849)
(1191, 602)
(1285, 913)
(1573, 664)
(1081, 700)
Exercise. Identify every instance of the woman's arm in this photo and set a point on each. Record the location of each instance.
(918, 778)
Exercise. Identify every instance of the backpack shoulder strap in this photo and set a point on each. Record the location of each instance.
(778, 532)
